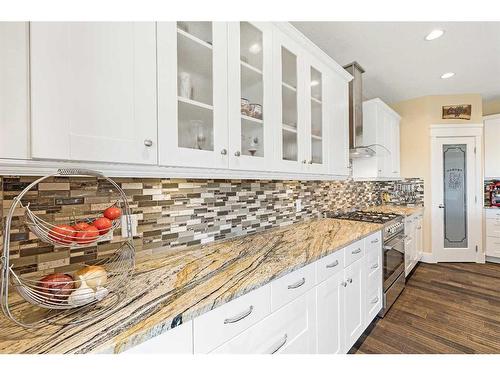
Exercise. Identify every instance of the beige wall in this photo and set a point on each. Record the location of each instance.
(491, 107)
(417, 114)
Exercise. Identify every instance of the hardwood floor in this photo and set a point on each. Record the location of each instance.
(445, 308)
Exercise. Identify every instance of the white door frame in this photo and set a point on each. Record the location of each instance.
(475, 189)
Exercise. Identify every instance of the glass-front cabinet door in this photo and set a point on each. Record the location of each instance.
(250, 95)
(289, 89)
(318, 120)
(192, 93)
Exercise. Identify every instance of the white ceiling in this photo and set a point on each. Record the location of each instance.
(401, 65)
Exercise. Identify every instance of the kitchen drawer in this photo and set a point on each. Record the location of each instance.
(492, 228)
(373, 275)
(329, 265)
(373, 262)
(291, 286)
(492, 213)
(374, 302)
(225, 322)
(353, 252)
(493, 246)
(373, 243)
(289, 330)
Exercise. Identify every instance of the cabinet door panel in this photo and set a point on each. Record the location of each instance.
(192, 94)
(329, 313)
(354, 303)
(251, 111)
(93, 91)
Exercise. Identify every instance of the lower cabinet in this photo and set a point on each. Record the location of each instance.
(354, 302)
(289, 330)
(323, 308)
(330, 296)
(413, 241)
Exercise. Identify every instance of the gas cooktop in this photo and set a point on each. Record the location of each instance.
(371, 217)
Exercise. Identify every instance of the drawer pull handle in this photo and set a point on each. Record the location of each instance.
(298, 284)
(343, 283)
(375, 300)
(238, 317)
(279, 345)
(334, 264)
(349, 280)
(374, 266)
(375, 240)
(357, 251)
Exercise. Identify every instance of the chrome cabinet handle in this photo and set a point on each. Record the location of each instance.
(357, 251)
(279, 345)
(148, 142)
(374, 266)
(310, 161)
(375, 240)
(334, 264)
(441, 206)
(223, 151)
(304, 161)
(237, 153)
(349, 280)
(238, 317)
(375, 300)
(343, 283)
(298, 284)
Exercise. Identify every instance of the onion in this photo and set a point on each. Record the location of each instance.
(81, 296)
(56, 286)
(94, 276)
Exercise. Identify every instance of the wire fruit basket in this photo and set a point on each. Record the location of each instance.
(60, 296)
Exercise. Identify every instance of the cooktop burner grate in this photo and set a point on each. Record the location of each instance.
(371, 217)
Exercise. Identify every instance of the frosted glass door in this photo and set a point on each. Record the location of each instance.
(192, 93)
(250, 64)
(455, 195)
(289, 105)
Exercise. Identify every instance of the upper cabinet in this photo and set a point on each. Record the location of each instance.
(192, 94)
(238, 99)
(381, 132)
(93, 91)
(251, 115)
(491, 149)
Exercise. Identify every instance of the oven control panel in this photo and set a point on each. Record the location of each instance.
(394, 228)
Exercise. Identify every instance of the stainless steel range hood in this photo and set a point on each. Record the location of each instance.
(356, 147)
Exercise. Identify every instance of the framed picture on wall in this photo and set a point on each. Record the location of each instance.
(454, 112)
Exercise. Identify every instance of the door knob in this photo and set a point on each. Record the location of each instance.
(148, 142)
(237, 153)
(223, 151)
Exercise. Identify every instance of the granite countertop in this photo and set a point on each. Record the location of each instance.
(172, 290)
(398, 210)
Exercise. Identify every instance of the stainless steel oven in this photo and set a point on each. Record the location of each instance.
(393, 262)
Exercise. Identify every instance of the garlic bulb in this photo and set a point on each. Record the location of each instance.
(101, 293)
(93, 276)
(82, 295)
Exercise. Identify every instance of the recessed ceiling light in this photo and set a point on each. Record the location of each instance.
(447, 75)
(434, 34)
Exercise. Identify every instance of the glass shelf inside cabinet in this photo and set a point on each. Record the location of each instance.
(316, 117)
(195, 85)
(252, 90)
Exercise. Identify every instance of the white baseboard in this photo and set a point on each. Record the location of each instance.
(428, 258)
(493, 259)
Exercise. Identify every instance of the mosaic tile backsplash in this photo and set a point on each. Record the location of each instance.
(176, 213)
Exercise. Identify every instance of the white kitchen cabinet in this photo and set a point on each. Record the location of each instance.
(93, 91)
(178, 340)
(413, 242)
(492, 217)
(192, 94)
(330, 299)
(374, 277)
(380, 129)
(14, 87)
(339, 130)
(251, 106)
(419, 235)
(491, 149)
(354, 302)
(289, 330)
(290, 79)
